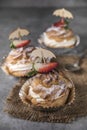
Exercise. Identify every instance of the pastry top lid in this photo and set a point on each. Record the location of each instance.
(47, 86)
(52, 78)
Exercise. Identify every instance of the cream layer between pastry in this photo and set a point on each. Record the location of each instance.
(47, 91)
(52, 43)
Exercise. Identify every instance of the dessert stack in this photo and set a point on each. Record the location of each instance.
(18, 62)
(47, 87)
(60, 35)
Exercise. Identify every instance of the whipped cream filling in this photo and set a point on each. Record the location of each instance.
(17, 51)
(58, 29)
(20, 51)
(22, 64)
(52, 43)
(34, 95)
(47, 91)
(19, 67)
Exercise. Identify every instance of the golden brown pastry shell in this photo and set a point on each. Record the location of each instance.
(10, 59)
(65, 99)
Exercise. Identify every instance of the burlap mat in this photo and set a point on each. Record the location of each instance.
(16, 108)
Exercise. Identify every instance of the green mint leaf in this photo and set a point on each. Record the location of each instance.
(67, 24)
(12, 45)
(32, 73)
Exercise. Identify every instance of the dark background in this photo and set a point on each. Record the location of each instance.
(43, 3)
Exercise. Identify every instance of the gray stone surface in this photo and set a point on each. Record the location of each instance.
(36, 20)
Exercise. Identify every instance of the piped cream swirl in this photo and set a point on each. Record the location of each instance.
(54, 90)
(19, 59)
(56, 37)
(39, 90)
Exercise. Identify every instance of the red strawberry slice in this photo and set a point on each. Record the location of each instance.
(60, 23)
(44, 68)
(18, 44)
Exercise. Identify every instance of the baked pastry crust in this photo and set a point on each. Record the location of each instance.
(59, 37)
(46, 91)
(18, 62)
